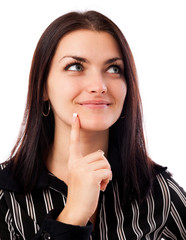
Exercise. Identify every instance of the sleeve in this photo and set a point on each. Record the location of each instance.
(176, 223)
(52, 229)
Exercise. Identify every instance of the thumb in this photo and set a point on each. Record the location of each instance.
(74, 149)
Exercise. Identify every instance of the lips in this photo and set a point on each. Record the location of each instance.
(95, 103)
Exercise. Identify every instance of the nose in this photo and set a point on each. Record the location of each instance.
(97, 84)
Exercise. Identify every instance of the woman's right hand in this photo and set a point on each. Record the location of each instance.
(86, 177)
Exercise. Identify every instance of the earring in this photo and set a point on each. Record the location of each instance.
(46, 114)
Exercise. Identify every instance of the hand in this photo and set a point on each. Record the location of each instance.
(86, 177)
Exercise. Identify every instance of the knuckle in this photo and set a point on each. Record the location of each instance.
(107, 173)
(107, 164)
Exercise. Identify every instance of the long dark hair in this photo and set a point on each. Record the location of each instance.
(37, 132)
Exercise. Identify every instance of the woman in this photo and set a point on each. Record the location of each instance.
(82, 131)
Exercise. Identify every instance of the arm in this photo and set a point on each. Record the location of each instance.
(86, 177)
(50, 229)
(176, 224)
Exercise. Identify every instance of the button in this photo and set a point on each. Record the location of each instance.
(47, 236)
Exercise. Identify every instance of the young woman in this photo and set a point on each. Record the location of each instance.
(80, 168)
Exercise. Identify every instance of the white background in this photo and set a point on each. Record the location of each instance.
(156, 32)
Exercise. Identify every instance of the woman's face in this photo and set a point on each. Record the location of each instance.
(87, 77)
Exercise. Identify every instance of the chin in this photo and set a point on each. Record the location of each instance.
(96, 125)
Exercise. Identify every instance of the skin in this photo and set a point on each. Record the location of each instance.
(86, 77)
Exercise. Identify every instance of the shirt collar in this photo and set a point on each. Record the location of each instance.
(46, 179)
(7, 181)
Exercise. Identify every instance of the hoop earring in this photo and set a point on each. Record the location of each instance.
(46, 114)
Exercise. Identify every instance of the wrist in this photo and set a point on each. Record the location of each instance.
(68, 216)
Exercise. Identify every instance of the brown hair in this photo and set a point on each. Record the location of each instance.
(126, 134)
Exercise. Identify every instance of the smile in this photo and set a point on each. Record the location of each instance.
(95, 104)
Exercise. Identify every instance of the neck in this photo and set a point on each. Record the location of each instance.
(90, 142)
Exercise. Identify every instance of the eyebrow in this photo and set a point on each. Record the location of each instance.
(81, 59)
(111, 60)
(75, 57)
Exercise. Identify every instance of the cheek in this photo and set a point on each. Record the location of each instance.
(123, 94)
(61, 90)
(61, 97)
(120, 91)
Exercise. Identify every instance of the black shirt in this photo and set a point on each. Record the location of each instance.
(162, 215)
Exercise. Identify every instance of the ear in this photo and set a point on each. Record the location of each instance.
(45, 94)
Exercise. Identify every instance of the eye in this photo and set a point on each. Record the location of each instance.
(114, 69)
(76, 67)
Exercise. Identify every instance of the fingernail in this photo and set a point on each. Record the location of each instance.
(74, 116)
(101, 151)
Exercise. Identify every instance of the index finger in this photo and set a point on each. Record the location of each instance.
(75, 138)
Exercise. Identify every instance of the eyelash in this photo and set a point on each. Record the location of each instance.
(81, 65)
(73, 64)
(116, 66)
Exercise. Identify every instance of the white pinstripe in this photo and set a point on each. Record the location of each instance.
(178, 191)
(48, 200)
(64, 198)
(31, 211)
(119, 213)
(135, 220)
(13, 217)
(166, 202)
(169, 234)
(178, 221)
(101, 225)
(103, 221)
(17, 215)
(150, 215)
(1, 194)
(8, 220)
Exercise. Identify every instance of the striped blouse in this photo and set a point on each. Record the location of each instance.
(162, 215)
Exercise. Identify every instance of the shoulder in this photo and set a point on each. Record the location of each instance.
(5, 173)
(10, 183)
(177, 194)
(174, 204)
(165, 179)
(170, 195)
(166, 182)
(7, 181)
(3, 165)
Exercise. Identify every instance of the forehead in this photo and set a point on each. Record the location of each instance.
(88, 42)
